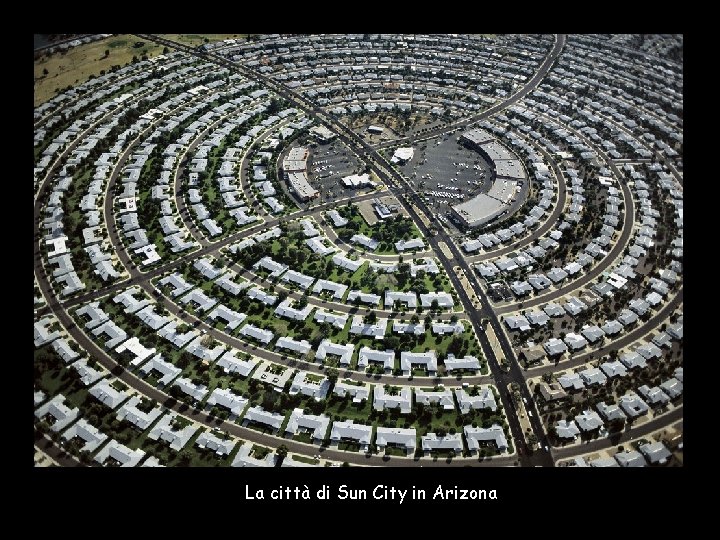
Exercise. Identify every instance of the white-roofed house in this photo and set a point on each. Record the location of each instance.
(613, 369)
(632, 360)
(310, 384)
(140, 418)
(588, 420)
(630, 458)
(656, 453)
(244, 458)
(406, 438)
(206, 348)
(566, 429)
(61, 414)
(316, 425)
(89, 434)
(338, 320)
(392, 397)
(611, 412)
(348, 387)
(592, 376)
(477, 397)
(301, 347)
(252, 331)
(337, 290)
(195, 391)
(174, 430)
(444, 398)
(442, 328)
(653, 396)
(408, 298)
(427, 359)
(672, 387)
(107, 395)
(261, 416)
(343, 352)
(375, 330)
(350, 431)
(517, 322)
(444, 300)
(466, 362)
(571, 381)
(228, 399)
(633, 405)
(232, 318)
(477, 436)
(592, 333)
(221, 447)
(301, 280)
(554, 347)
(365, 298)
(366, 355)
(120, 454)
(232, 364)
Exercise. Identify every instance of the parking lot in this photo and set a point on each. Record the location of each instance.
(446, 173)
(327, 165)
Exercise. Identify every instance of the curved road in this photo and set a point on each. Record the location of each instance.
(394, 181)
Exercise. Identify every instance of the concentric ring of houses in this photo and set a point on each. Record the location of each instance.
(113, 329)
(672, 170)
(648, 220)
(54, 223)
(627, 122)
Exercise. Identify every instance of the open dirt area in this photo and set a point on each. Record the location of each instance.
(76, 65)
(198, 39)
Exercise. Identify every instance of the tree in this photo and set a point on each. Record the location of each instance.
(184, 458)
(45, 71)
(274, 106)
(332, 374)
(282, 451)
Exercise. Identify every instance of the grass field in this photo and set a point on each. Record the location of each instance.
(76, 65)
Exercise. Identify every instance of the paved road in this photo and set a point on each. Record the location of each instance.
(629, 433)
(540, 231)
(528, 87)
(62, 457)
(394, 181)
(600, 266)
(642, 330)
(382, 168)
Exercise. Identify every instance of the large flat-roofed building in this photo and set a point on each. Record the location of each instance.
(503, 190)
(299, 184)
(479, 210)
(296, 160)
(475, 137)
(495, 151)
(509, 168)
(323, 134)
(509, 176)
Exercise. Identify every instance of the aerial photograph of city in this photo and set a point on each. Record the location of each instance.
(358, 250)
